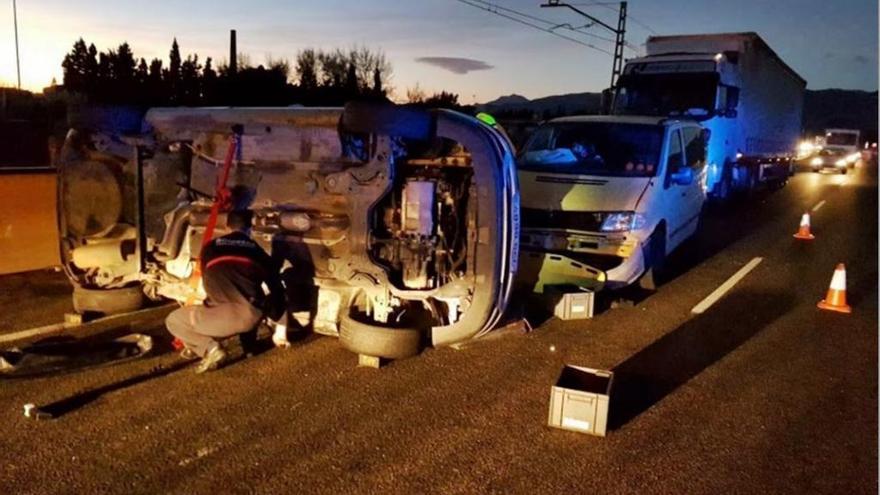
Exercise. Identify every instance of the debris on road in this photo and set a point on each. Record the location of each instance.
(34, 412)
(569, 302)
(579, 400)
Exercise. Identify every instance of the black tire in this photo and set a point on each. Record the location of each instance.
(721, 191)
(776, 185)
(383, 342)
(844, 171)
(108, 301)
(655, 258)
(752, 182)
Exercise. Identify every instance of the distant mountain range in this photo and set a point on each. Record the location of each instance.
(823, 108)
(567, 104)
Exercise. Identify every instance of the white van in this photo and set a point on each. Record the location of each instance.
(606, 198)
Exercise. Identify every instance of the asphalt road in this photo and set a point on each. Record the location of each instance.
(762, 393)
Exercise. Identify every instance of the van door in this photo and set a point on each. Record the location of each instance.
(695, 154)
(674, 202)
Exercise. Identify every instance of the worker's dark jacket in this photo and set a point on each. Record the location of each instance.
(234, 268)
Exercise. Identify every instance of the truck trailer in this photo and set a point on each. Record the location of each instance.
(737, 87)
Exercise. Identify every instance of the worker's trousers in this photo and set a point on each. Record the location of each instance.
(199, 327)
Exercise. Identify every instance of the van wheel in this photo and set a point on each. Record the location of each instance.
(108, 301)
(374, 340)
(655, 258)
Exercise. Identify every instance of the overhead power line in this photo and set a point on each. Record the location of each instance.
(619, 32)
(503, 12)
(551, 25)
(612, 7)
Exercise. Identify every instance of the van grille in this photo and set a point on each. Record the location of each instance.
(556, 219)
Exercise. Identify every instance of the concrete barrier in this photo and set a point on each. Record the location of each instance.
(28, 220)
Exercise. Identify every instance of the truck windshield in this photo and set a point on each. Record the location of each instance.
(841, 139)
(665, 94)
(594, 148)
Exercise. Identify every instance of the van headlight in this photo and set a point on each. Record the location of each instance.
(622, 221)
(853, 157)
(816, 161)
(841, 162)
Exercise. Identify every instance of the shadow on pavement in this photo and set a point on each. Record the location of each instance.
(657, 370)
(72, 403)
(59, 355)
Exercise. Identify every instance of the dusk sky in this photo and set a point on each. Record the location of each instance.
(832, 44)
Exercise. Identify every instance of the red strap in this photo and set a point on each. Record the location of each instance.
(229, 259)
(222, 194)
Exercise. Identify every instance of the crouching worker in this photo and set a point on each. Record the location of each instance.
(234, 271)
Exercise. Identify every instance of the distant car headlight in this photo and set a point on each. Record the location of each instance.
(816, 161)
(622, 221)
(841, 162)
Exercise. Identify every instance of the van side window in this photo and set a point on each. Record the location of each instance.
(675, 158)
(695, 147)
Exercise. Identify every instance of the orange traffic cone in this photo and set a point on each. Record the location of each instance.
(835, 300)
(804, 231)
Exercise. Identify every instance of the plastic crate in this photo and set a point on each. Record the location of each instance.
(579, 400)
(569, 302)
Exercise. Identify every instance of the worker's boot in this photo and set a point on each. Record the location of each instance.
(249, 341)
(212, 360)
(188, 354)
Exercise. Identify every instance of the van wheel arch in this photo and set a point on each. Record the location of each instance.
(654, 253)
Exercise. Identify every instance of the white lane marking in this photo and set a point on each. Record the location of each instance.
(722, 289)
(33, 332)
(818, 206)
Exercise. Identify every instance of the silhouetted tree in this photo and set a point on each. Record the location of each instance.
(415, 94)
(377, 82)
(190, 85)
(307, 70)
(92, 67)
(75, 66)
(351, 80)
(142, 73)
(322, 78)
(155, 89)
(209, 83)
(442, 100)
(171, 77)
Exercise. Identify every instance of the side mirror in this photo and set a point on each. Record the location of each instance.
(732, 102)
(682, 177)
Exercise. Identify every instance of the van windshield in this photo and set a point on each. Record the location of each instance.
(594, 148)
(841, 139)
(665, 94)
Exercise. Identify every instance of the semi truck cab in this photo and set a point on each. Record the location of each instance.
(737, 87)
(606, 198)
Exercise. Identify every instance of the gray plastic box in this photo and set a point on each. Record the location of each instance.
(579, 400)
(569, 302)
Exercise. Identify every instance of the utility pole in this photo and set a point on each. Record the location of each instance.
(15, 23)
(233, 54)
(619, 33)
